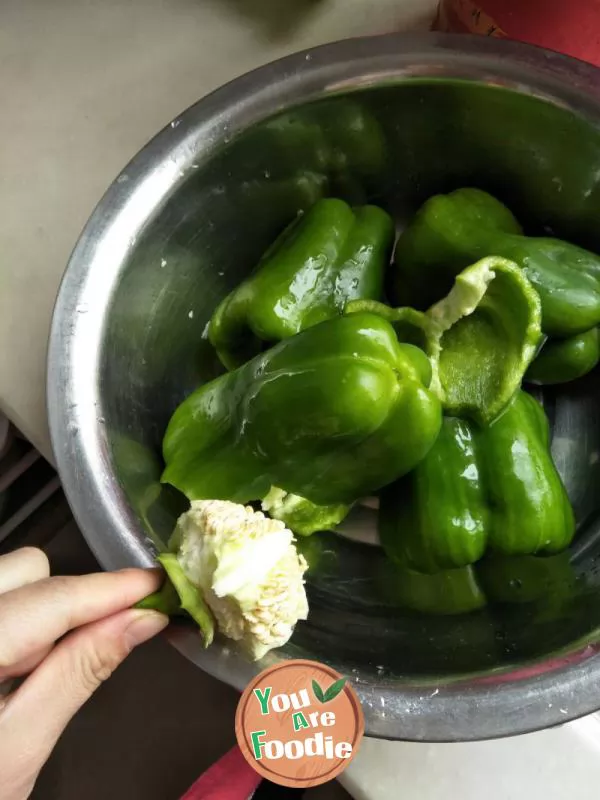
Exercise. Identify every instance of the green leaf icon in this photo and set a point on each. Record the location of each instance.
(334, 690)
(318, 692)
(331, 693)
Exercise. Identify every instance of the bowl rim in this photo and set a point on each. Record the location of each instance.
(510, 700)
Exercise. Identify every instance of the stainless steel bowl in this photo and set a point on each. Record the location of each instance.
(188, 217)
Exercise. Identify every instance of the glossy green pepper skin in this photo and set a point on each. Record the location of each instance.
(480, 338)
(332, 414)
(492, 490)
(564, 360)
(451, 231)
(326, 257)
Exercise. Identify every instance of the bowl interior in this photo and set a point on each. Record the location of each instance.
(395, 145)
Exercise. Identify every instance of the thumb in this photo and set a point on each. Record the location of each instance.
(34, 716)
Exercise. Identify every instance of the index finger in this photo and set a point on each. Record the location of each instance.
(35, 616)
(26, 565)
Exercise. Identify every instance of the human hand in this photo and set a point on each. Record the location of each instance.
(35, 612)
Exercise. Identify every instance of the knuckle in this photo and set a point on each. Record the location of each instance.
(97, 663)
(63, 597)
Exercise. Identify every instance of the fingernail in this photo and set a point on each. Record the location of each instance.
(144, 626)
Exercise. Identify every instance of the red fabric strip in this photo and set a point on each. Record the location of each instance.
(230, 778)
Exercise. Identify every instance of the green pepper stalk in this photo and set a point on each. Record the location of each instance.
(496, 490)
(332, 414)
(326, 257)
(179, 597)
(451, 231)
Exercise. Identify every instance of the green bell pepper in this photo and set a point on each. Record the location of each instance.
(478, 491)
(564, 360)
(300, 515)
(356, 146)
(449, 592)
(451, 231)
(480, 338)
(526, 579)
(326, 257)
(339, 139)
(547, 581)
(332, 414)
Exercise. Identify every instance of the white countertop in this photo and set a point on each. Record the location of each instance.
(554, 764)
(85, 83)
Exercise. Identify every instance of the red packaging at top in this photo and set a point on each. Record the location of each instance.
(569, 27)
